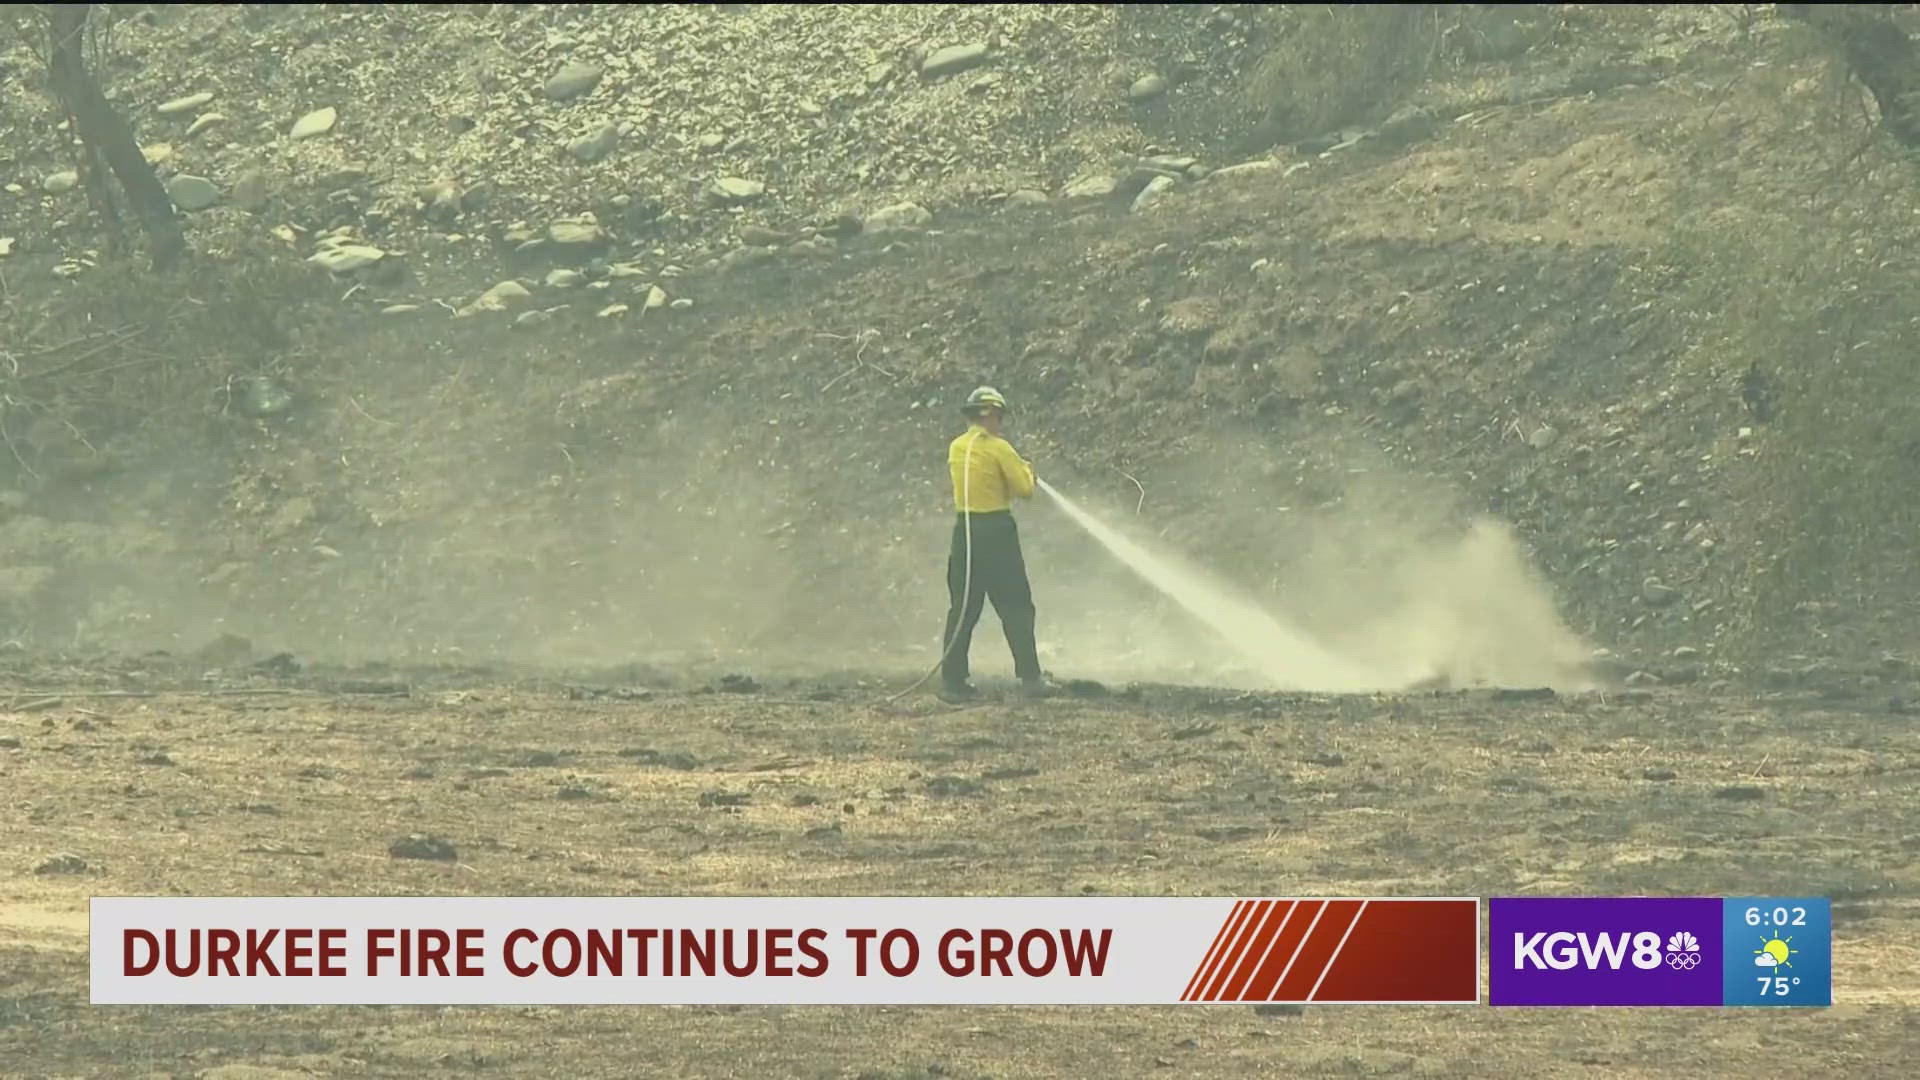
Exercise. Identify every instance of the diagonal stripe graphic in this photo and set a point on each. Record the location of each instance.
(1314, 952)
(1284, 949)
(1355, 921)
(1304, 938)
(1239, 948)
(1345, 951)
(1413, 950)
(1256, 950)
(1236, 924)
(1281, 935)
(1213, 951)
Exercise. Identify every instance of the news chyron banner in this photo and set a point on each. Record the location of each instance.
(1717, 951)
(751, 951)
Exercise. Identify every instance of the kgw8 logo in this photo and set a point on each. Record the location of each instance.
(1563, 951)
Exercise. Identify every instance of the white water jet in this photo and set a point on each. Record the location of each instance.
(1285, 657)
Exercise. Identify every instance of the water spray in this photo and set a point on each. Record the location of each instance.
(1284, 657)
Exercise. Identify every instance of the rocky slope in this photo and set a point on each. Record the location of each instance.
(1308, 369)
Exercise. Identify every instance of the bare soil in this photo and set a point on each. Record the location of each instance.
(298, 786)
(1306, 375)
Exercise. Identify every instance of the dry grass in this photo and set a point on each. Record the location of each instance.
(1447, 795)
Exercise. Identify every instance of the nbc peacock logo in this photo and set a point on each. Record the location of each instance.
(1683, 951)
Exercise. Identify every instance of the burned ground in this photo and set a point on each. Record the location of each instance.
(598, 784)
(1574, 364)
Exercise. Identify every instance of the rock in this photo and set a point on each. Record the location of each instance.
(577, 232)
(158, 153)
(841, 227)
(346, 258)
(681, 303)
(185, 104)
(63, 863)
(1174, 165)
(251, 191)
(575, 78)
(1657, 594)
(611, 310)
(813, 247)
(954, 59)
(733, 191)
(499, 298)
(1685, 652)
(879, 73)
(6, 246)
(1155, 188)
(566, 279)
(192, 193)
(593, 147)
(761, 236)
(712, 141)
(743, 256)
(346, 176)
(1245, 170)
(423, 847)
(317, 122)
(1146, 88)
(1027, 197)
(656, 297)
(444, 201)
(900, 217)
(1642, 678)
(203, 122)
(1542, 437)
(1087, 188)
(61, 182)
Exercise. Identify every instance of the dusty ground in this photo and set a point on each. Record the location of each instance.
(591, 786)
(1298, 375)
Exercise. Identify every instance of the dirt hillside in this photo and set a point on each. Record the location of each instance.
(533, 485)
(1545, 356)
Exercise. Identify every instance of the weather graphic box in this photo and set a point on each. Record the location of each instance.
(1642, 950)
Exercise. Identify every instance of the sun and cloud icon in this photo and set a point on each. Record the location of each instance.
(1773, 953)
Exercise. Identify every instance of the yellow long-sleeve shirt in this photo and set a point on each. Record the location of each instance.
(987, 474)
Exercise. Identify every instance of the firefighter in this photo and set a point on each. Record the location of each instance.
(985, 562)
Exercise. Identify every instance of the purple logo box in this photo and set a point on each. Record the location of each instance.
(1629, 950)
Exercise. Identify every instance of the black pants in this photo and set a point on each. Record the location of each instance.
(1000, 575)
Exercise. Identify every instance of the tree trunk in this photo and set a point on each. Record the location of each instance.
(107, 135)
(1879, 54)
